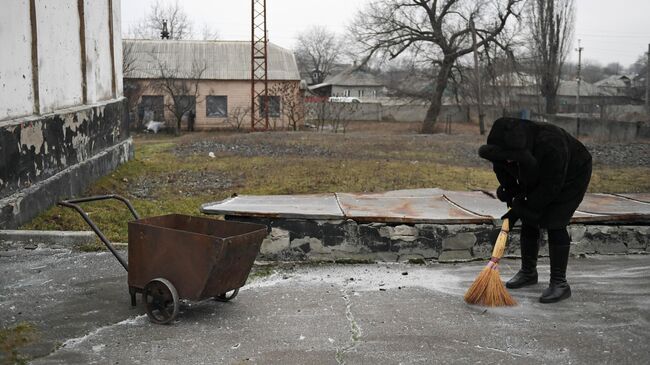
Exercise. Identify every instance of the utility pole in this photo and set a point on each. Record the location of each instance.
(578, 79)
(647, 83)
(481, 116)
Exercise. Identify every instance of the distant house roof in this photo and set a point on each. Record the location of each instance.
(614, 81)
(354, 76)
(516, 79)
(570, 88)
(224, 60)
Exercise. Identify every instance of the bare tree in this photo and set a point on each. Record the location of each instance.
(179, 23)
(292, 101)
(317, 51)
(613, 68)
(133, 90)
(336, 116)
(238, 116)
(182, 87)
(208, 33)
(639, 66)
(551, 26)
(435, 32)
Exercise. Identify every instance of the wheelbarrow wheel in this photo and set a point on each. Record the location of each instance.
(161, 301)
(225, 297)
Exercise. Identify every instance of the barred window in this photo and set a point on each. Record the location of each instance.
(216, 106)
(274, 106)
(152, 105)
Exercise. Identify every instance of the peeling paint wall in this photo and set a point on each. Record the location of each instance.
(16, 97)
(35, 150)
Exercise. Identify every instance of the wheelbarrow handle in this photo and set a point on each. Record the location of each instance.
(104, 197)
(73, 203)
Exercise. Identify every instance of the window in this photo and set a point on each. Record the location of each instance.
(346, 93)
(186, 103)
(361, 93)
(275, 107)
(216, 106)
(152, 108)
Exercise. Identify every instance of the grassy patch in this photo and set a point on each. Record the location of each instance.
(620, 180)
(14, 338)
(92, 247)
(261, 271)
(180, 183)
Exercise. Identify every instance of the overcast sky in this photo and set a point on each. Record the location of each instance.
(610, 30)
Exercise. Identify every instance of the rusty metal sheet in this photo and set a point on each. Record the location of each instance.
(404, 207)
(642, 197)
(413, 193)
(478, 203)
(607, 204)
(312, 206)
(483, 204)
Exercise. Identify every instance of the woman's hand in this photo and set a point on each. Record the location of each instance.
(504, 195)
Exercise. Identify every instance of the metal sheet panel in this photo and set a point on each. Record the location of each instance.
(415, 206)
(404, 207)
(642, 197)
(608, 204)
(478, 203)
(314, 206)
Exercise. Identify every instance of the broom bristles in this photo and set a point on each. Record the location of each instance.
(488, 289)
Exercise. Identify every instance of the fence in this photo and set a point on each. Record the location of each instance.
(600, 129)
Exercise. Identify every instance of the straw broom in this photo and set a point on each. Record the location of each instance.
(487, 289)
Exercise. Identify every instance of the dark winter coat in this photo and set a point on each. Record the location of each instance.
(549, 170)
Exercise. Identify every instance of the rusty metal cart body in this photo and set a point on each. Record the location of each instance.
(173, 257)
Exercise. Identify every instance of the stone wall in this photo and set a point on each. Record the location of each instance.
(319, 240)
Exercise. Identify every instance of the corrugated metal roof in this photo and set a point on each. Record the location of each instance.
(354, 76)
(614, 81)
(224, 60)
(570, 88)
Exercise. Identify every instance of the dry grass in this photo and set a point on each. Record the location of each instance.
(178, 178)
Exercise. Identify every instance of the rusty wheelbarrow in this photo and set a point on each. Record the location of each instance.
(174, 257)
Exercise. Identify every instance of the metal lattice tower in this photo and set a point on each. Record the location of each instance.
(259, 64)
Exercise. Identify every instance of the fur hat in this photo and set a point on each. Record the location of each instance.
(508, 140)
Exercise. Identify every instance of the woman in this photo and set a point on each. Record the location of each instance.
(543, 174)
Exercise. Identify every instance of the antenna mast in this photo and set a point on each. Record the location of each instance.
(259, 66)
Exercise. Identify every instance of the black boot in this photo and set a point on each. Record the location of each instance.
(529, 250)
(558, 288)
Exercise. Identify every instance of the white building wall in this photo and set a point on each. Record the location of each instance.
(58, 45)
(16, 93)
(59, 54)
(117, 46)
(99, 70)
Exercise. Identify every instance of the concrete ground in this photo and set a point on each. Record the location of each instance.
(330, 314)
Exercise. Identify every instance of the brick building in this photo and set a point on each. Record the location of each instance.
(211, 78)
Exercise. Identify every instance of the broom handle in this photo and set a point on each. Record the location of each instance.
(500, 245)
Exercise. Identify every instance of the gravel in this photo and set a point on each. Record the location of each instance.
(192, 182)
(620, 154)
(459, 149)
